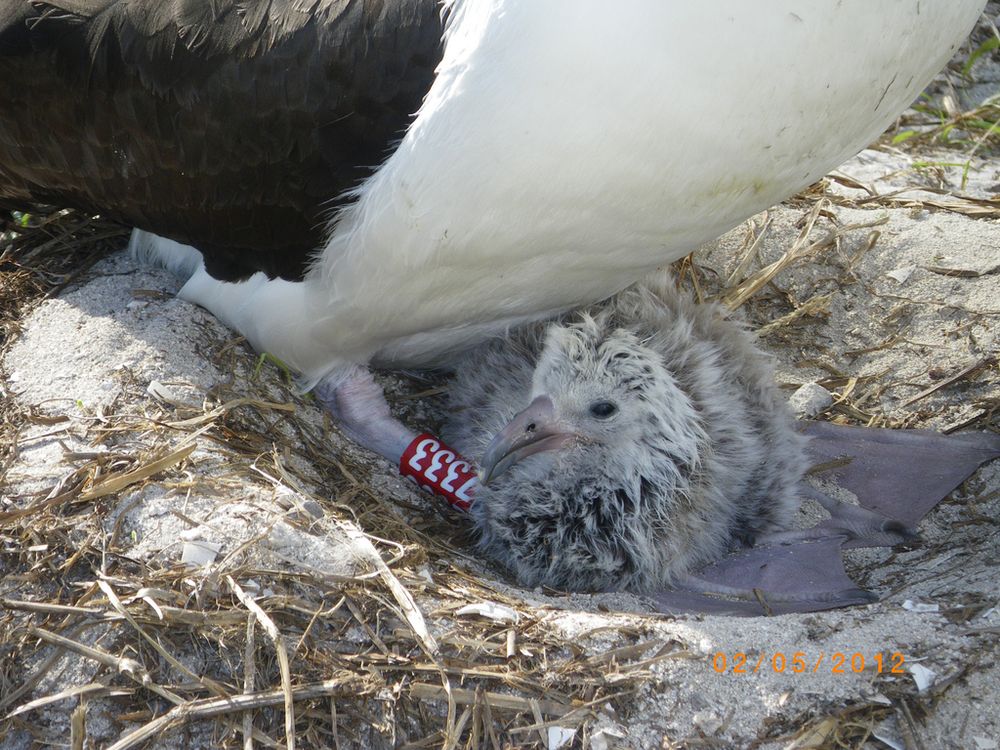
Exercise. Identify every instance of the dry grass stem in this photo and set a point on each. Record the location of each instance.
(212, 707)
(279, 646)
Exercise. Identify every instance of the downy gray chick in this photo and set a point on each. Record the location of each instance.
(626, 444)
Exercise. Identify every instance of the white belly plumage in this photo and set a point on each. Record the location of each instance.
(569, 146)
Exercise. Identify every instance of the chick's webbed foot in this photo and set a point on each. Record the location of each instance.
(897, 477)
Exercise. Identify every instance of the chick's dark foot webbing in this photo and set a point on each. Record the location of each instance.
(800, 576)
(897, 476)
(861, 526)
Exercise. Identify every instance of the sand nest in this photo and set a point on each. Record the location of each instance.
(191, 556)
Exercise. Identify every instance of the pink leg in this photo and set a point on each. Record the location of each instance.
(360, 408)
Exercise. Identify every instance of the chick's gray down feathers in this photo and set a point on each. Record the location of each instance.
(702, 455)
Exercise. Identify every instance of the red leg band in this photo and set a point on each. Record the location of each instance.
(439, 470)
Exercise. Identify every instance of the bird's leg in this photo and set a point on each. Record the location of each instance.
(863, 526)
(860, 526)
(795, 570)
(897, 476)
(359, 406)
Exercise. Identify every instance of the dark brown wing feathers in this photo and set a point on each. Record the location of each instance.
(233, 125)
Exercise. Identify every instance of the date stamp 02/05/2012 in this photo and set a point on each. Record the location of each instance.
(800, 662)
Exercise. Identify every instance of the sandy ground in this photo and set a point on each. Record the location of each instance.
(117, 366)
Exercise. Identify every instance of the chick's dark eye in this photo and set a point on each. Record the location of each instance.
(603, 409)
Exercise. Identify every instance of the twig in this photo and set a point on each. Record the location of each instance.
(333, 723)
(71, 692)
(218, 411)
(279, 646)
(741, 268)
(811, 306)
(120, 481)
(498, 701)
(735, 297)
(404, 599)
(172, 660)
(210, 707)
(249, 675)
(78, 727)
(57, 609)
(970, 370)
(128, 667)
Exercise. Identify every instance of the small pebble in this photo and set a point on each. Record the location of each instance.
(810, 400)
(902, 275)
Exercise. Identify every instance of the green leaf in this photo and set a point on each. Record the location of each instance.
(981, 124)
(988, 46)
(928, 164)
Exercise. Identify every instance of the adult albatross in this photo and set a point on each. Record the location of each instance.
(559, 151)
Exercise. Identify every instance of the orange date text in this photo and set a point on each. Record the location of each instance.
(801, 662)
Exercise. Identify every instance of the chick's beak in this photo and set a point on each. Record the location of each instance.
(531, 431)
